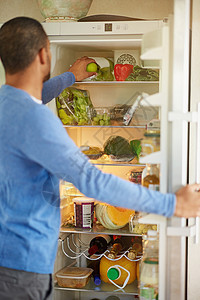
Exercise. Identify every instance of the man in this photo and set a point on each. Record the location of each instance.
(35, 152)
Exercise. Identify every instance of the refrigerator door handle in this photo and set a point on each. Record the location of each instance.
(188, 117)
(187, 231)
(198, 168)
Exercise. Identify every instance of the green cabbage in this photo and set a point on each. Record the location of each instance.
(117, 146)
(106, 73)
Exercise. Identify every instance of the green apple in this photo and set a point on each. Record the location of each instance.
(92, 67)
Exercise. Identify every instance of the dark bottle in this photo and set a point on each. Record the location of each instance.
(94, 264)
(99, 244)
(121, 243)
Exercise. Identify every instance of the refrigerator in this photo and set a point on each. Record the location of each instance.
(171, 46)
(70, 41)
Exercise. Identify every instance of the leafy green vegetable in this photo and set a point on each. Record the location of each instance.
(106, 73)
(73, 106)
(142, 74)
(136, 147)
(117, 145)
(64, 117)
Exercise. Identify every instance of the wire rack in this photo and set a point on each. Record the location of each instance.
(82, 250)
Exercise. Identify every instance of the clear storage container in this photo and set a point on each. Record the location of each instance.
(101, 116)
(73, 277)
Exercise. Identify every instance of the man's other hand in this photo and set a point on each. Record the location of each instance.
(188, 201)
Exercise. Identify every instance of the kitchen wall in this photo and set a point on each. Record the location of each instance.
(131, 8)
(14, 8)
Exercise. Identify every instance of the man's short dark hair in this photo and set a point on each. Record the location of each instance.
(21, 39)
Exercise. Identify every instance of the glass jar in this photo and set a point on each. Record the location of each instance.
(135, 175)
(151, 177)
(151, 142)
(139, 228)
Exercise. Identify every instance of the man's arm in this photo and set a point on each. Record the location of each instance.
(54, 86)
(50, 146)
(77, 72)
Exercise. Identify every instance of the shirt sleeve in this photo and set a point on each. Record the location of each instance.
(50, 146)
(54, 86)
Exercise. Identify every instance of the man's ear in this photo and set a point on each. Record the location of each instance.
(42, 55)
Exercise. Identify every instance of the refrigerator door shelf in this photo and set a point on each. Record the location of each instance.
(153, 219)
(152, 49)
(152, 45)
(153, 158)
(152, 100)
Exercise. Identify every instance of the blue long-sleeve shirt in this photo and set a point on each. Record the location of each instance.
(54, 86)
(35, 152)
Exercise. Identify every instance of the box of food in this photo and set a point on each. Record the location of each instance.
(73, 277)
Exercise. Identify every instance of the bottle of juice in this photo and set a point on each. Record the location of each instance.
(118, 272)
(150, 177)
(148, 283)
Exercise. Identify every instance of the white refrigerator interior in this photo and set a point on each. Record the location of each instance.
(151, 39)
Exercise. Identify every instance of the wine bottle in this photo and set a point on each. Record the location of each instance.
(99, 244)
(135, 249)
(120, 244)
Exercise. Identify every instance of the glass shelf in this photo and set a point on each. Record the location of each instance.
(130, 289)
(105, 160)
(142, 116)
(115, 83)
(98, 126)
(98, 228)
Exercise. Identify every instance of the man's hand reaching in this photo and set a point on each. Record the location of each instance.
(79, 68)
(188, 201)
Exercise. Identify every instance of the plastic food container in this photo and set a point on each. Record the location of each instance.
(83, 212)
(73, 277)
(66, 210)
(101, 116)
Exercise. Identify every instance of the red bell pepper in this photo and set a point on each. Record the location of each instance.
(122, 71)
